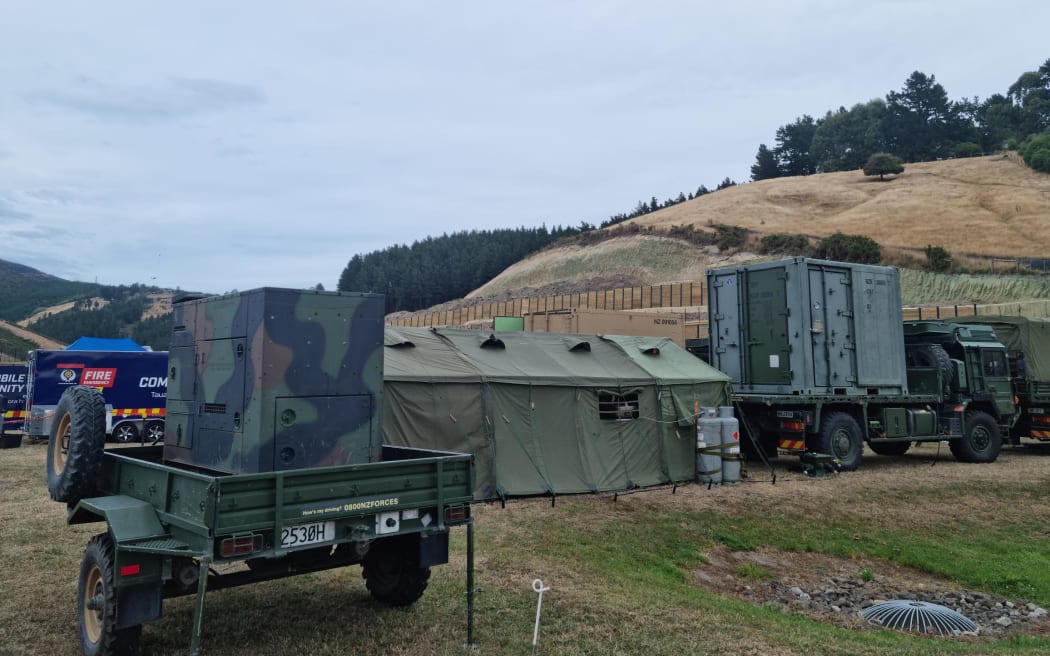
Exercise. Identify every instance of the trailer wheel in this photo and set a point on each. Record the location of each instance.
(392, 573)
(840, 436)
(97, 604)
(126, 432)
(980, 441)
(154, 431)
(890, 448)
(76, 443)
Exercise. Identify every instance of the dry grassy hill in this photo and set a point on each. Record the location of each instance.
(987, 206)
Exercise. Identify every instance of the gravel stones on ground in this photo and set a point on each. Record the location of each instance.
(834, 590)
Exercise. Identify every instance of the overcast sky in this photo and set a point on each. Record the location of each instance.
(222, 145)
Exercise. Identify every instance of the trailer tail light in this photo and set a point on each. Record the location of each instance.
(458, 513)
(130, 570)
(792, 426)
(240, 545)
(1042, 420)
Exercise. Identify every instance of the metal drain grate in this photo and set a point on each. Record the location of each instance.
(918, 616)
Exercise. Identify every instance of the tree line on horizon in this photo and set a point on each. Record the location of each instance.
(916, 124)
(438, 269)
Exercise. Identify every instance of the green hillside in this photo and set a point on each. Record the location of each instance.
(24, 290)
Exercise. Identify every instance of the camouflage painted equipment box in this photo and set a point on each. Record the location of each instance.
(273, 458)
(275, 379)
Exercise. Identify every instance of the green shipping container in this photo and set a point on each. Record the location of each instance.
(808, 327)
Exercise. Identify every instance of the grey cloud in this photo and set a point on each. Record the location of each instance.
(38, 233)
(57, 196)
(179, 97)
(9, 211)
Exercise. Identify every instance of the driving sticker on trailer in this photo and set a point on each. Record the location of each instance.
(774, 362)
(339, 507)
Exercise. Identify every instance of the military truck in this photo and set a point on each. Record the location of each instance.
(272, 461)
(821, 362)
(1027, 342)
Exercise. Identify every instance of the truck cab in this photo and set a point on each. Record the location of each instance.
(965, 363)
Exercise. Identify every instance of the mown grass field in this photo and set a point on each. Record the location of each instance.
(625, 575)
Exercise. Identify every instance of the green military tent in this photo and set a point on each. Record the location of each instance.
(548, 413)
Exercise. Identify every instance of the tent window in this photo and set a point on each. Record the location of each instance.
(617, 407)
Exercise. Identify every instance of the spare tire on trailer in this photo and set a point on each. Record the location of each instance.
(76, 443)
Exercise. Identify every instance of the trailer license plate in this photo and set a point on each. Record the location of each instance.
(297, 536)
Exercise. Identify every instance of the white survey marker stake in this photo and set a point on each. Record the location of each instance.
(539, 588)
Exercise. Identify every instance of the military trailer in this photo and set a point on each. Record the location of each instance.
(272, 466)
(1027, 341)
(821, 362)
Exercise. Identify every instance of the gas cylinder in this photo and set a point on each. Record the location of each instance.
(708, 447)
(730, 444)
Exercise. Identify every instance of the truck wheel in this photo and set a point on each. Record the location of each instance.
(97, 604)
(76, 443)
(154, 431)
(890, 448)
(980, 441)
(126, 432)
(392, 574)
(840, 436)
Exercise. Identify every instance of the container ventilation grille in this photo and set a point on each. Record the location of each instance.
(919, 617)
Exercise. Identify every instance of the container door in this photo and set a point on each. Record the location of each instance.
(879, 340)
(725, 327)
(831, 321)
(221, 384)
(182, 375)
(768, 355)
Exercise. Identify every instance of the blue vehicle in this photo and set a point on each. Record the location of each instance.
(13, 389)
(134, 385)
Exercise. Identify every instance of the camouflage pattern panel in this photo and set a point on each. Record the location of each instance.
(275, 379)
